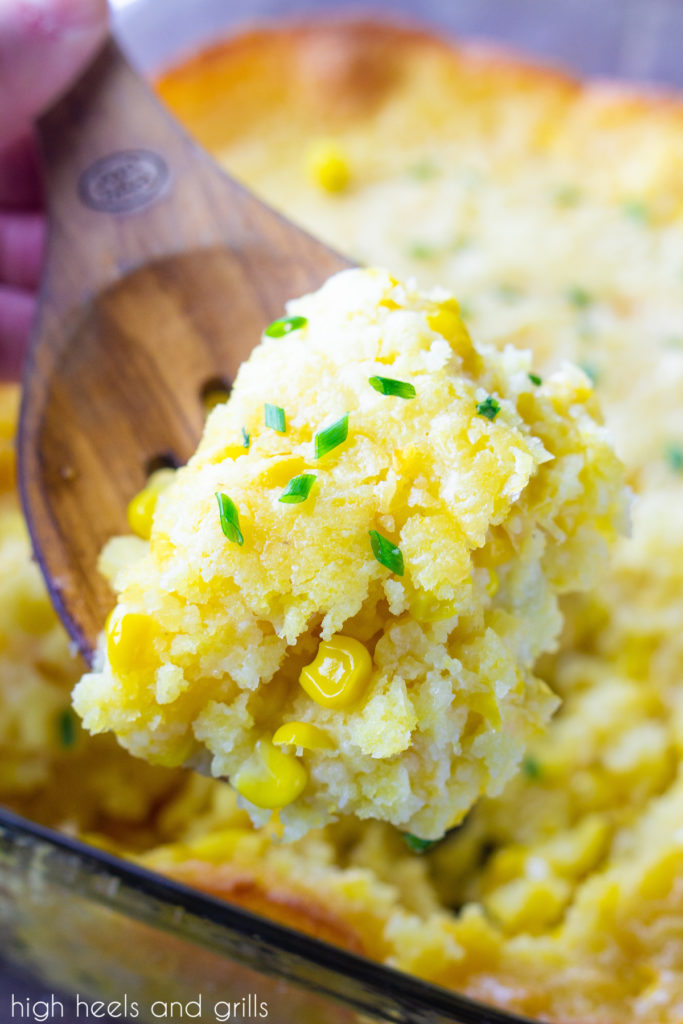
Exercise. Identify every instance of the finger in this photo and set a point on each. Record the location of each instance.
(43, 46)
(20, 182)
(22, 238)
(17, 309)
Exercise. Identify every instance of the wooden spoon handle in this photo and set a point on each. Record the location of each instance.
(161, 274)
(113, 157)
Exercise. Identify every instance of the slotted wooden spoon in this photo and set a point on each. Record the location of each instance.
(161, 274)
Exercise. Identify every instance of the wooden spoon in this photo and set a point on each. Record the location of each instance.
(161, 274)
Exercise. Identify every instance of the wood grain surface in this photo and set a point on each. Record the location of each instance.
(161, 275)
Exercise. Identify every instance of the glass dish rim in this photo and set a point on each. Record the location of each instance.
(377, 989)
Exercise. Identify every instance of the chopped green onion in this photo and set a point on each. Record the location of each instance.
(386, 552)
(331, 437)
(579, 297)
(285, 325)
(389, 386)
(67, 727)
(275, 418)
(423, 170)
(591, 372)
(298, 488)
(509, 292)
(416, 844)
(230, 520)
(531, 767)
(488, 408)
(636, 211)
(535, 379)
(421, 251)
(674, 456)
(568, 195)
(246, 439)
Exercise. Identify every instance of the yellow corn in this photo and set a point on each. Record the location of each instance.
(304, 735)
(529, 905)
(270, 778)
(327, 165)
(217, 396)
(230, 451)
(219, 847)
(427, 608)
(141, 508)
(493, 583)
(447, 322)
(486, 705)
(131, 643)
(176, 754)
(340, 673)
(279, 472)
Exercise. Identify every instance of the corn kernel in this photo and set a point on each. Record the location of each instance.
(131, 642)
(141, 508)
(230, 451)
(214, 397)
(340, 673)
(493, 583)
(427, 608)
(219, 847)
(270, 778)
(576, 852)
(279, 472)
(486, 705)
(529, 905)
(327, 166)
(304, 735)
(176, 754)
(448, 322)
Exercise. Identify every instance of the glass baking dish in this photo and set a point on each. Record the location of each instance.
(82, 921)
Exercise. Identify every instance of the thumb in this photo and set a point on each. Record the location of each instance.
(43, 46)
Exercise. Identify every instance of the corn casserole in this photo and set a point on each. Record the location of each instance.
(554, 210)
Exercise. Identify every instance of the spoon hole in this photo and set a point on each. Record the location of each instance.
(165, 460)
(214, 392)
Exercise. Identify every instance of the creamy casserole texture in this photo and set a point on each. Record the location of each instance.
(554, 210)
(365, 648)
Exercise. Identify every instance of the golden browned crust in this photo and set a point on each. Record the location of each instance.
(327, 74)
(281, 902)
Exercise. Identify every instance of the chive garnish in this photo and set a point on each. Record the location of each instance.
(386, 552)
(591, 372)
(421, 251)
(246, 439)
(488, 408)
(509, 292)
(535, 379)
(230, 520)
(416, 844)
(389, 386)
(636, 211)
(331, 437)
(423, 170)
(531, 767)
(568, 195)
(67, 727)
(275, 418)
(579, 297)
(298, 488)
(674, 456)
(285, 325)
